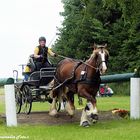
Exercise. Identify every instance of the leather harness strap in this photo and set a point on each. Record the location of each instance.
(68, 79)
(83, 79)
(90, 81)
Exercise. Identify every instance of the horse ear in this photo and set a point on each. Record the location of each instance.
(95, 46)
(105, 45)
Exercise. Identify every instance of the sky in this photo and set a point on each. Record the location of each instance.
(22, 22)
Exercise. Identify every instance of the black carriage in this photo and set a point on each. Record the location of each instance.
(36, 89)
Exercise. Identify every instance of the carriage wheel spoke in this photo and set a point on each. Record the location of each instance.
(27, 99)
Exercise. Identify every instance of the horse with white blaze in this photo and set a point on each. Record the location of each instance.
(83, 78)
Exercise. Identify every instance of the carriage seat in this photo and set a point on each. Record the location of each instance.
(44, 76)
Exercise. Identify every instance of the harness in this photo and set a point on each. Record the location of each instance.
(83, 77)
(95, 80)
(68, 79)
(90, 81)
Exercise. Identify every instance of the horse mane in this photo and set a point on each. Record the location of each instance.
(92, 56)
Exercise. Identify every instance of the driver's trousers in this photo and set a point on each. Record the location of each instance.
(40, 65)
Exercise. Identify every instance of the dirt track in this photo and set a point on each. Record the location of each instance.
(62, 118)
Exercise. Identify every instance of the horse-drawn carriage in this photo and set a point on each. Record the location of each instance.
(36, 89)
(71, 77)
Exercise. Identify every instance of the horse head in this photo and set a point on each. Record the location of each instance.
(101, 55)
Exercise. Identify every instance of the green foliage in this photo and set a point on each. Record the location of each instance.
(115, 22)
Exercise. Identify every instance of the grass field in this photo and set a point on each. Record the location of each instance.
(2, 107)
(105, 103)
(1, 90)
(110, 130)
(124, 129)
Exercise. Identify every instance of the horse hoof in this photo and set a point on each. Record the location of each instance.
(85, 124)
(53, 112)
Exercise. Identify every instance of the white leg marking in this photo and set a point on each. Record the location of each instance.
(69, 109)
(84, 118)
(53, 110)
(93, 110)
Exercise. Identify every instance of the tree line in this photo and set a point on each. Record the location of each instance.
(115, 22)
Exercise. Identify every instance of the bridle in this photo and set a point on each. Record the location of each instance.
(98, 66)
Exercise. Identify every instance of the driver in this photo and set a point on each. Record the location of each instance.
(41, 54)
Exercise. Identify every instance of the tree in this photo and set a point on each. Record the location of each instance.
(115, 22)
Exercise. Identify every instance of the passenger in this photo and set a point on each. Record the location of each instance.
(29, 68)
(41, 54)
(26, 72)
(108, 91)
(102, 90)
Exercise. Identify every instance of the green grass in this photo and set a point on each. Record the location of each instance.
(103, 103)
(109, 130)
(2, 106)
(124, 129)
(121, 88)
(109, 103)
(1, 90)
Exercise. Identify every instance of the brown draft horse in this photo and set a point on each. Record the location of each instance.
(73, 76)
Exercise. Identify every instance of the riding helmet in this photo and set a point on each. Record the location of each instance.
(42, 39)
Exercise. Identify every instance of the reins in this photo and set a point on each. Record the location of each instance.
(80, 61)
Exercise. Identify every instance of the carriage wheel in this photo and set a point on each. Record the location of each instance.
(18, 98)
(26, 99)
(58, 105)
